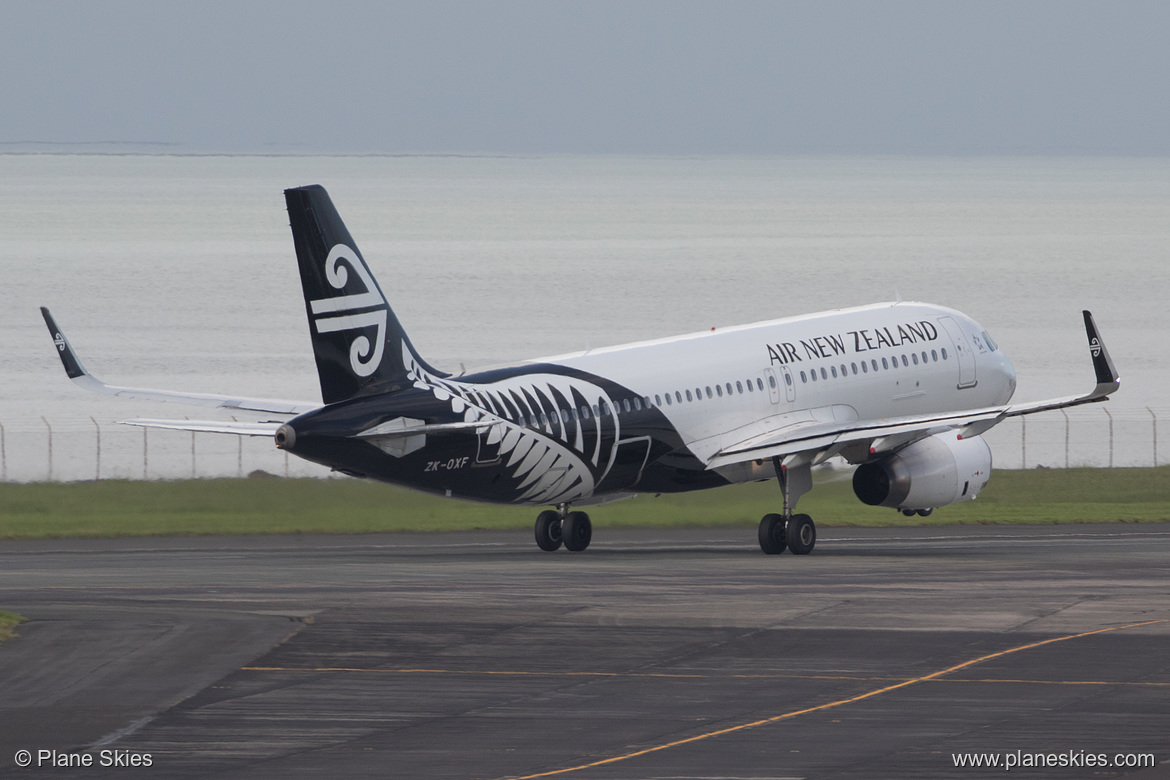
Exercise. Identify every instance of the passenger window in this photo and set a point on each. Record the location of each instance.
(915, 356)
(688, 396)
(824, 373)
(772, 381)
(658, 399)
(760, 384)
(637, 404)
(813, 374)
(719, 390)
(646, 401)
(698, 394)
(596, 411)
(678, 396)
(584, 412)
(854, 367)
(885, 364)
(944, 353)
(834, 371)
(803, 378)
(934, 355)
(751, 387)
(543, 419)
(788, 379)
(708, 391)
(864, 367)
(668, 399)
(739, 386)
(875, 368)
(905, 362)
(729, 388)
(626, 404)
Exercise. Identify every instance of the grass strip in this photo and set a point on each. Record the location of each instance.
(288, 506)
(8, 623)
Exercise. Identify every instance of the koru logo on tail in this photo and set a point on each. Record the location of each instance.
(1095, 347)
(344, 312)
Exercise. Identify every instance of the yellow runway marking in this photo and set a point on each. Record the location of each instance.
(830, 705)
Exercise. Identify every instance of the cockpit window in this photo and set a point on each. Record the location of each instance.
(989, 341)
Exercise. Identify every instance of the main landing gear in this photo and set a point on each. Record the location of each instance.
(555, 527)
(788, 531)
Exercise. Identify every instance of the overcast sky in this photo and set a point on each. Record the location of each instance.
(1011, 77)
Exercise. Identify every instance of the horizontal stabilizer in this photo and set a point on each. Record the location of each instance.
(210, 426)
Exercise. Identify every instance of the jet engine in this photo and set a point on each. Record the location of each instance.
(935, 471)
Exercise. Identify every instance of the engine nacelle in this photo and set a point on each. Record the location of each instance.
(935, 471)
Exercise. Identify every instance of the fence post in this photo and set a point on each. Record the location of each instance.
(98, 470)
(144, 451)
(3, 457)
(1148, 409)
(1066, 437)
(192, 454)
(50, 427)
(1110, 436)
(239, 454)
(1023, 442)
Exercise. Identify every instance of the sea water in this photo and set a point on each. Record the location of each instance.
(178, 272)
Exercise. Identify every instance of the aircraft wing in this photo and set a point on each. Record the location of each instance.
(83, 378)
(815, 442)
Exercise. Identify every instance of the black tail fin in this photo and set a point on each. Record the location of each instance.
(357, 340)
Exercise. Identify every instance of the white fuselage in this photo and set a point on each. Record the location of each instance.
(868, 363)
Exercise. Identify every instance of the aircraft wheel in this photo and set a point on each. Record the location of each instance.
(548, 530)
(772, 534)
(925, 512)
(577, 530)
(801, 534)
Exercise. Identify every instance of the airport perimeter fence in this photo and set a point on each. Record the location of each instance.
(69, 450)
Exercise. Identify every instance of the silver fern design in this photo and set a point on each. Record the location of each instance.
(556, 433)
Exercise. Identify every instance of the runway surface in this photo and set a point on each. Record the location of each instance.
(654, 654)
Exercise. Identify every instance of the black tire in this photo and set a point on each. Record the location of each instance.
(548, 530)
(577, 530)
(772, 539)
(925, 512)
(801, 534)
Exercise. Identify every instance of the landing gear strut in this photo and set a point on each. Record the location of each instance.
(555, 527)
(797, 533)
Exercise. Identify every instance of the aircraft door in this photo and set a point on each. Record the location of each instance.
(490, 437)
(789, 384)
(773, 385)
(962, 351)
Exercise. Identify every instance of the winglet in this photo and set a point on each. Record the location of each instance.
(69, 358)
(1107, 379)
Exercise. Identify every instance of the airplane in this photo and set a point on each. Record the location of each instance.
(903, 391)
